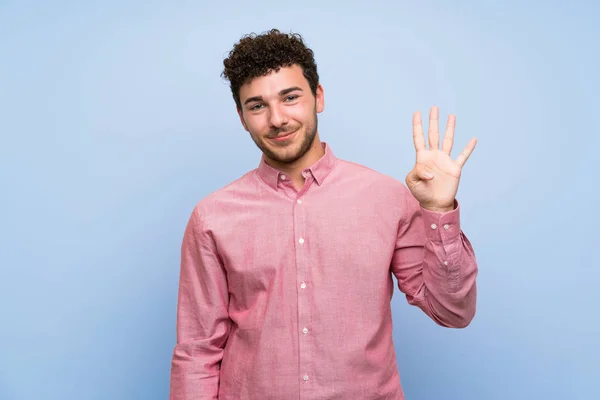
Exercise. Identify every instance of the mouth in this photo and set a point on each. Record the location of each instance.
(284, 137)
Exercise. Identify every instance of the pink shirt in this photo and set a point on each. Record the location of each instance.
(286, 294)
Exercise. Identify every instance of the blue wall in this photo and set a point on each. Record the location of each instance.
(114, 122)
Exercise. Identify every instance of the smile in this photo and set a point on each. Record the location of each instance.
(284, 138)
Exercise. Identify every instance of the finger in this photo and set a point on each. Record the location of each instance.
(433, 132)
(418, 136)
(449, 135)
(419, 173)
(423, 172)
(464, 155)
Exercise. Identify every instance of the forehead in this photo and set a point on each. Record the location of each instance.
(270, 85)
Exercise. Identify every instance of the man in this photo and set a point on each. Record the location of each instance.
(286, 282)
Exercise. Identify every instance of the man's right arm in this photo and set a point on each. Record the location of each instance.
(203, 322)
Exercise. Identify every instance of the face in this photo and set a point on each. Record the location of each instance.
(280, 113)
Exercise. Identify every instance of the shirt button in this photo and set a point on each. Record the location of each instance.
(303, 285)
(305, 377)
(299, 201)
(446, 227)
(305, 331)
(445, 262)
(433, 226)
(283, 177)
(301, 240)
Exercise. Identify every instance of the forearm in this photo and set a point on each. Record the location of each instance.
(193, 376)
(449, 270)
(449, 288)
(435, 265)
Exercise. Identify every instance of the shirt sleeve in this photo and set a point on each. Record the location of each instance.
(435, 264)
(203, 322)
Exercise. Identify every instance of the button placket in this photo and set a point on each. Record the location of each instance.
(302, 273)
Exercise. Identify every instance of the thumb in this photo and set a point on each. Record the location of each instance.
(419, 173)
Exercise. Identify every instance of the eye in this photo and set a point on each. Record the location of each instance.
(255, 107)
(291, 97)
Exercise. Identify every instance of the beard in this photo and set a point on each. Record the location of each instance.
(293, 151)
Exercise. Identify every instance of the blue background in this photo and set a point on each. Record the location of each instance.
(114, 122)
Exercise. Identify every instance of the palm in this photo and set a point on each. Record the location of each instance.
(440, 191)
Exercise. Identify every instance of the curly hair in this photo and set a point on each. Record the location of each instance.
(258, 55)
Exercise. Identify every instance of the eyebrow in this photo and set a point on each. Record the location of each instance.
(281, 93)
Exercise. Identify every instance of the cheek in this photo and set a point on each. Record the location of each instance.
(256, 125)
(300, 116)
(300, 113)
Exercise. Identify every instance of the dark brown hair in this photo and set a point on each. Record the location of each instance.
(258, 55)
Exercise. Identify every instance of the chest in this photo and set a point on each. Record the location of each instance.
(321, 242)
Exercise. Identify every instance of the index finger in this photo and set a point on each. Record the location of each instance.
(418, 135)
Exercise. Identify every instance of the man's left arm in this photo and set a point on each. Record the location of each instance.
(433, 259)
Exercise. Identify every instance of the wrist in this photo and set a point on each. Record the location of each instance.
(439, 208)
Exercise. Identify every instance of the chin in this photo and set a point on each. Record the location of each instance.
(286, 155)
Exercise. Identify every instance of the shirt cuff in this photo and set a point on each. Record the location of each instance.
(442, 227)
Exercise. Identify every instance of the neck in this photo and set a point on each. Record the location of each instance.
(294, 169)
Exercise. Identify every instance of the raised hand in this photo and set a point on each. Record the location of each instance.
(434, 179)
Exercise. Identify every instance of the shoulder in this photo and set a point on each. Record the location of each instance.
(221, 201)
(371, 178)
(382, 191)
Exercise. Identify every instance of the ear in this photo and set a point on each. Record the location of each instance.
(320, 98)
(241, 115)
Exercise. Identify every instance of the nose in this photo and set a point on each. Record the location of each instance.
(277, 116)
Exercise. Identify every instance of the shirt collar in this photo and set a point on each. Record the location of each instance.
(319, 169)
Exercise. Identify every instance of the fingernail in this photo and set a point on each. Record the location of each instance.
(428, 175)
